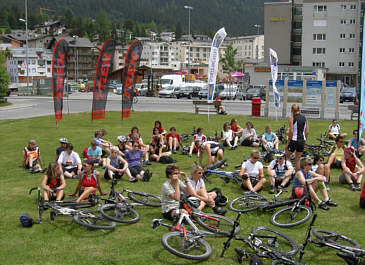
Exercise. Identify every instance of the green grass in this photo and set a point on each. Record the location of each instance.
(62, 242)
(4, 104)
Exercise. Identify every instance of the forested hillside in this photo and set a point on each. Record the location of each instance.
(238, 16)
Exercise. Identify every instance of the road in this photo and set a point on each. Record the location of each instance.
(34, 106)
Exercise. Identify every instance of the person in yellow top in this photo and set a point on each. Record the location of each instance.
(31, 158)
(334, 159)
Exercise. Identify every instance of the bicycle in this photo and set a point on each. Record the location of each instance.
(87, 218)
(294, 214)
(227, 176)
(349, 249)
(266, 243)
(185, 136)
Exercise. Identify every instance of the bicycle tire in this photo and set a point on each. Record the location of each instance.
(285, 214)
(171, 238)
(222, 226)
(119, 213)
(144, 198)
(246, 203)
(93, 222)
(287, 246)
(217, 164)
(335, 238)
(282, 262)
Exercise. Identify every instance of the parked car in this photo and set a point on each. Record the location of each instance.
(141, 89)
(118, 89)
(169, 92)
(231, 93)
(255, 91)
(204, 92)
(348, 94)
(188, 92)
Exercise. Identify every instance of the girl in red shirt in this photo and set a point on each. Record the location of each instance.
(351, 174)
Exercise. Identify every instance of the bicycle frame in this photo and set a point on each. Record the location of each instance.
(227, 174)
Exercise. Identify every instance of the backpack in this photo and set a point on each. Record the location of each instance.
(277, 165)
(185, 150)
(26, 221)
(220, 200)
(167, 160)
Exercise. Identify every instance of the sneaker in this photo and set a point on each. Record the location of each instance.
(219, 210)
(352, 187)
(75, 176)
(133, 180)
(272, 190)
(30, 170)
(190, 155)
(327, 186)
(329, 202)
(174, 151)
(322, 205)
(147, 175)
(145, 162)
(358, 187)
(36, 170)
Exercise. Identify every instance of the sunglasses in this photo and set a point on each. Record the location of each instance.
(309, 164)
(199, 173)
(255, 157)
(280, 158)
(136, 146)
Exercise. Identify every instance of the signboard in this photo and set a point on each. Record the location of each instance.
(330, 95)
(313, 94)
(277, 19)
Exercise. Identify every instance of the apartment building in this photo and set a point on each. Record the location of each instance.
(248, 47)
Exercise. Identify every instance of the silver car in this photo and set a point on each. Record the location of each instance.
(168, 92)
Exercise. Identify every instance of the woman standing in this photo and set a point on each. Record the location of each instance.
(298, 133)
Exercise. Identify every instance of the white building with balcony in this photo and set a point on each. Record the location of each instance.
(248, 47)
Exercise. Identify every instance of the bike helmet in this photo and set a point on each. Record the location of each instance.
(194, 202)
(63, 140)
(122, 139)
(280, 154)
(26, 221)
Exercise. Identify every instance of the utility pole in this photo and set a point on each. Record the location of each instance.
(189, 8)
(26, 39)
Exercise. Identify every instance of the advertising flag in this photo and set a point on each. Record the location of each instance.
(59, 71)
(213, 62)
(104, 68)
(274, 76)
(362, 91)
(130, 66)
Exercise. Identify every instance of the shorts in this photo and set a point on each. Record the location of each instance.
(96, 161)
(362, 203)
(116, 175)
(342, 179)
(168, 216)
(225, 142)
(136, 170)
(70, 170)
(215, 153)
(297, 146)
(91, 196)
(336, 164)
(27, 166)
(279, 180)
(247, 142)
(253, 181)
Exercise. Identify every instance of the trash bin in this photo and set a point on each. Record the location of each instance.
(256, 107)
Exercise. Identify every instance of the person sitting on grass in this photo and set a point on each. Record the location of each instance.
(252, 173)
(63, 142)
(32, 159)
(122, 145)
(213, 150)
(227, 136)
(89, 181)
(354, 143)
(171, 192)
(173, 140)
(362, 197)
(334, 159)
(315, 181)
(156, 146)
(237, 130)
(94, 153)
(280, 171)
(158, 125)
(104, 145)
(136, 138)
(53, 184)
(249, 136)
(334, 130)
(352, 170)
(269, 140)
(70, 163)
(134, 160)
(221, 108)
(199, 136)
(198, 185)
(116, 166)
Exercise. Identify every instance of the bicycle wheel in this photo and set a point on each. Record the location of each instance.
(247, 202)
(334, 238)
(91, 220)
(145, 198)
(280, 242)
(217, 164)
(120, 213)
(187, 248)
(288, 217)
(219, 224)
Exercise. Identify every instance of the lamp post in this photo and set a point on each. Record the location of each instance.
(26, 40)
(189, 8)
(258, 26)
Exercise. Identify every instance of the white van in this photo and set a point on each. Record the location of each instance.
(171, 80)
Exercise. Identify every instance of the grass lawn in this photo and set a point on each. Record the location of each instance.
(4, 104)
(62, 242)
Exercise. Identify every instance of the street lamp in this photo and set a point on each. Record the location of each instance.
(26, 39)
(189, 8)
(258, 26)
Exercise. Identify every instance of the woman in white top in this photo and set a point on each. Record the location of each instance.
(252, 173)
(227, 136)
(249, 136)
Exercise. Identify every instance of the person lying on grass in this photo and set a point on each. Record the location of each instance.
(88, 182)
(53, 184)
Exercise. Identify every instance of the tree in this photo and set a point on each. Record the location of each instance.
(178, 31)
(128, 25)
(4, 77)
(103, 25)
(228, 63)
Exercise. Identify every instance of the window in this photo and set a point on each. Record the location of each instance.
(343, 6)
(351, 64)
(319, 50)
(343, 21)
(352, 21)
(352, 6)
(342, 36)
(320, 8)
(320, 23)
(320, 36)
(342, 50)
(319, 64)
(351, 50)
(352, 35)
(341, 64)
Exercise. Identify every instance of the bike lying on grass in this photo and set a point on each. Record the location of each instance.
(88, 218)
(294, 214)
(117, 208)
(265, 242)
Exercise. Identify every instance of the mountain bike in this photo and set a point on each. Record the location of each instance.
(348, 249)
(183, 243)
(88, 218)
(227, 176)
(294, 214)
(264, 242)
(185, 136)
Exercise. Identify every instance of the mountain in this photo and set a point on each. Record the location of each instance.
(207, 16)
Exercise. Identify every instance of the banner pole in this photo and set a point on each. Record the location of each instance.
(68, 107)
